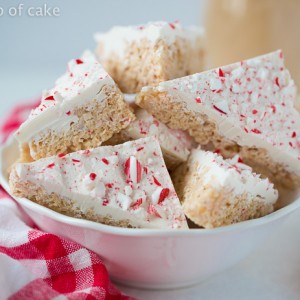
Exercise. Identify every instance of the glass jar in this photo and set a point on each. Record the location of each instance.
(240, 29)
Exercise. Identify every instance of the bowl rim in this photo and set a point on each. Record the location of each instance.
(136, 232)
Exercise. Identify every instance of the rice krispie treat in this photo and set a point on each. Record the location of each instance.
(175, 144)
(245, 108)
(136, 56)
(126, 185)
(84, 109)
(217, 192)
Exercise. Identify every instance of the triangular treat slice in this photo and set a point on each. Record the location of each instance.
(126, 185)
(136, 56)
(217, 192)
(175, 144)
(84, 109)
(245, 108)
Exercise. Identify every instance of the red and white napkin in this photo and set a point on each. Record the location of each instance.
(37, 265)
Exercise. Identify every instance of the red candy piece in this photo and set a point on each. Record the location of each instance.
(137, 204)
(93, 176)
(105, 161)
(152, 211)
(163, 195)
(49, 98)
(156, 181)
(221, 73)
(256, 131)
(172, 25)
(219, 110)
(240, 160)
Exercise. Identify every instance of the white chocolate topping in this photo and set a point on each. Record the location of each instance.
(125, 182)
(251, 102)
(119, 37)
(232, 176)
(81, 83)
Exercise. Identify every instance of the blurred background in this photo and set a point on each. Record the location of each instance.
(34, 49)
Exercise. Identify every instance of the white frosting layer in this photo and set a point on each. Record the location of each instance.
(119, 37)
(232, 176)
(81, 83)
(176, 142)
(251, 102)
(127, 182)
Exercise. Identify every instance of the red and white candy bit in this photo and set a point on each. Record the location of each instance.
(137, 204)
(79, 61)
(86, 152)
(104, 160)
(93, 176)
(152, 211)
(156, 181)
(159, 195)
(133, 169)
(49, 98)
(163, 195)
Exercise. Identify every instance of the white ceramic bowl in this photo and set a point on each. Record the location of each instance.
(154, 258)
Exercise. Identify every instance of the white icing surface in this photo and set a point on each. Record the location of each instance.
(119, 37)
(252, 103)
(119, 181)
(232, 175)
(174, 141)
(81, 83)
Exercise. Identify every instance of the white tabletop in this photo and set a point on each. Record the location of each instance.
(271, 272)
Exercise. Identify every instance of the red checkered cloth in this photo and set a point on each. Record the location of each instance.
(36, 265)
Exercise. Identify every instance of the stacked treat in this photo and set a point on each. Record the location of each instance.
(88, 153)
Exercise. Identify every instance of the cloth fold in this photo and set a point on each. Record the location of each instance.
(38, 265)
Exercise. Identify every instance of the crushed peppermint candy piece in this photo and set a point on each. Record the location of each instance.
(125, 201)
(222, 106)
(49, 98)
(93, 176)
(152, 211)
(221, 73)
(215, 84)
(160, 195)
(156, 181)
(219, 110)
(137, 204)
(133, 169)
(105, 161)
